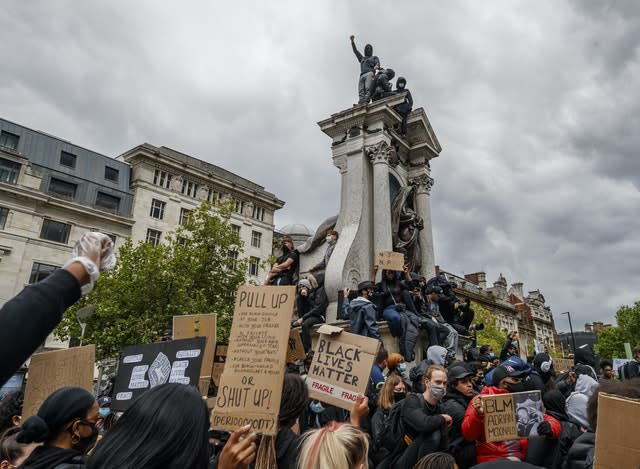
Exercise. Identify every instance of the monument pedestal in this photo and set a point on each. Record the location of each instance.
(376, 163)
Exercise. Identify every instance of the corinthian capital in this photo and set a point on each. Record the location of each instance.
(381, 152)
(423, 183)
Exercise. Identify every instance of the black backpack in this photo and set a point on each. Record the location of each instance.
(394, 436)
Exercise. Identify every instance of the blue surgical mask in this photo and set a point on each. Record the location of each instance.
(104, 411)
(402, 367)
(328, 239)
(316, 407)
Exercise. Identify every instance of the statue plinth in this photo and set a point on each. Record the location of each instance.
(376, 164)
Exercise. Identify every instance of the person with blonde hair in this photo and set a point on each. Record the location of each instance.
(393, 390)
(337, 445)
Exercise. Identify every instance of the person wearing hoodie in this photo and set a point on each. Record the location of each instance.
(369, 63)
(506, 379)
(584, 360)
(459, 394)
(362, 312)
(405, 107)
(66, 425)
(312, 305)
(436, 355)
(577, 400)
(541, 373)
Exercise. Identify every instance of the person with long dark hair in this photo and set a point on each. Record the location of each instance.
(65, 425)
(166, 427)
(12, 453)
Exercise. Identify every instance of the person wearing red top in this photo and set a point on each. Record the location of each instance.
(506, 380)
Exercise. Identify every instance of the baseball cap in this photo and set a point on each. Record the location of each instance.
(458, 372)
(104, 401)
(505, 370)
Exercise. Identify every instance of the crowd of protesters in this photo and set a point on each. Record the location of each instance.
(430, 415)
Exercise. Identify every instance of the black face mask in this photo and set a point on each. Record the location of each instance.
(84, 444)
(398, 396)
(518, 387)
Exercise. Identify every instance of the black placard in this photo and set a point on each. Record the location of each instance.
(146, 366)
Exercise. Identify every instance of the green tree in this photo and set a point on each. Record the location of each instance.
(611, 341)
(191, 273)
(491, 334)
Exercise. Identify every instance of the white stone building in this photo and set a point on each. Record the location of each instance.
(168, 184)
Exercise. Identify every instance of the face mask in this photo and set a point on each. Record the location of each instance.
(328, 239)
(316, 407)
(438, 392)
(84, 444)
(369, 294)
(104, 411)
(398, 396)
(400, 86)
(519, 387)
(402, 368)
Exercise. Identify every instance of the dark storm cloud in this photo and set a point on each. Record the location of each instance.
(535, 106)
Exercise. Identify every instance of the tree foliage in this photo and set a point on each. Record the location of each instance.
(491, 334)
(611, 341)
(191, 273)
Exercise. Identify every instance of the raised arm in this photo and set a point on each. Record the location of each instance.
(355, 49)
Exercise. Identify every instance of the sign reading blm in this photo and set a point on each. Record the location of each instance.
(146, 366)
(251, 383)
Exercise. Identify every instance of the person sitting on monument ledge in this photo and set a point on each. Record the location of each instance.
(393, 294)
(331, 239)
(286, 266)
(437, 328)
(312, 305)
(381, 88)
(362, 313)
(369, 63)
(404, 108)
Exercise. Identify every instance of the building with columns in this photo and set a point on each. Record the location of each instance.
(167, 185)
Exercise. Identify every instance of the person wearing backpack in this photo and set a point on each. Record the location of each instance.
(362, 312)
(424, 421)
(393, 391)
(631, 369)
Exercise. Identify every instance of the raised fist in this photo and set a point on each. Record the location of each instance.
(352, 37)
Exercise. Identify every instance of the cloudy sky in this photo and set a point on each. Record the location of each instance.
(536, 105)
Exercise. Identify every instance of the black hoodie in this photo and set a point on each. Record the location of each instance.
(52, 457)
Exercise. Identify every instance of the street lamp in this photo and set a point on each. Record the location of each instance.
(81, 316)
(573, 339)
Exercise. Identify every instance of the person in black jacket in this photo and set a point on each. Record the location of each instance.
(66, 424)
(459, 394)
(369, 63)
(312, 304)
(286, 266)
(541, 375)
(393, 298)
(405, 107)
(27, 319)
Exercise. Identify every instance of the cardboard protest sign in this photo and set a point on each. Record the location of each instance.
(146, 366)
(390, 260)
(251, 383)
(512, 416)
(617, 363)
(49, 371)
(295, 351)
(199, 325)
(219, 360)
(616, 441)
(341, 366)
(562, 364)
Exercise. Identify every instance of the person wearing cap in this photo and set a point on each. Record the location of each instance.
(459, 393)
(506, 379)
(362, 312)
(312, 305)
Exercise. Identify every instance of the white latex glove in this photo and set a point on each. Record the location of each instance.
(95, 252)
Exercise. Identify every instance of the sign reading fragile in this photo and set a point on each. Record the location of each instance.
(251, 384)
(341, 366)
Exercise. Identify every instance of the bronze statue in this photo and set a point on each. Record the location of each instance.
(406, 225)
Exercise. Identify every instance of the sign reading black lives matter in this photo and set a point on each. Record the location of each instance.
(146, 366)
(512, 416)
(251, 383)
(341, 366)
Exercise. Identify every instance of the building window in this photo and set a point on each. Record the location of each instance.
(162, 179)
(256, 238)
(184, 214)
(62, 188)
(258, 213)
(111, 174)
(55, 231)
(240, 206)
(236, 229)
(4, 213)
(254, 266)
(9, 140)
(153, 236)
(213, 196)
(41, 271)
(189, 188)
(9, 171)
(233, 255)
(157, 209)
(68, 159)
(108, 202)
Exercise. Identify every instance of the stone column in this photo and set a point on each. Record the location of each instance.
(380, 155)
(423, 184)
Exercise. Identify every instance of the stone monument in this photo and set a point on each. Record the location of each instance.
(384, 199)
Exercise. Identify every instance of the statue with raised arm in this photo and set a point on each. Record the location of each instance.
(369, 63)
